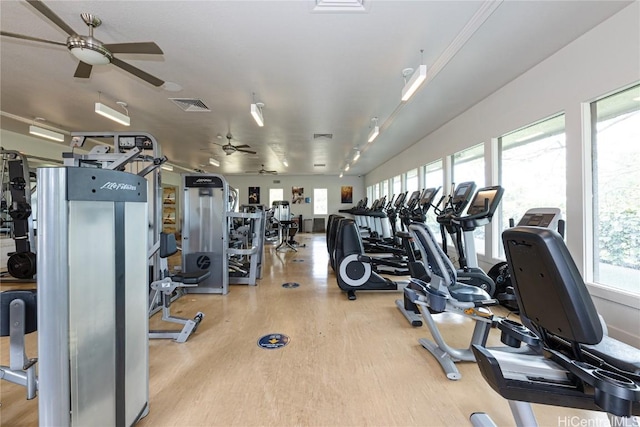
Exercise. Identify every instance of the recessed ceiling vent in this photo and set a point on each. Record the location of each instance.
(339, 6)
(191, 105)
(319, 165)
(322, 135)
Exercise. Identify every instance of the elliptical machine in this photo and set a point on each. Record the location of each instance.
(479, 213)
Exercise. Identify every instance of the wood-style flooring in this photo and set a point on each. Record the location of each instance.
(348, 363)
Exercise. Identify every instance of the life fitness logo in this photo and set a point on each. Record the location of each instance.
(116, 186)
(203, 262)
(203, 180)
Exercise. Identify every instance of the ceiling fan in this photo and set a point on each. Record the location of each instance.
(91, 51)
(229, 148)
(263, 171)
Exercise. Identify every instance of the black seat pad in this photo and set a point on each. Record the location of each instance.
(190, 278)
(30, 307)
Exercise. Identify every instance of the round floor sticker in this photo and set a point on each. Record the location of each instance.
(273, 341)
(290, 285)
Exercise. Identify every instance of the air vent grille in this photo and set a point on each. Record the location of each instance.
(340, 6)
(322, 135)
(190, 105)
(319, 165)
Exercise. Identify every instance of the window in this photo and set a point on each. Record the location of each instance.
(397, 185)
(412, 180)
(275, 194)
(532, 170)
(616, 184)
(433, 175)
(468, 165)
(369, 195)
(385, 188)
(320, 201)
(376, 191)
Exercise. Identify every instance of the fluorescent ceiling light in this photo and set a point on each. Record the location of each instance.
(357, 156)
(341, 175)
(46, 133)
(414, 82)
(374, 133)
(112, 114)
(167, 167)
(284, 162)
(346, 168)
(637, 98)
(214, 162)
(256, 112)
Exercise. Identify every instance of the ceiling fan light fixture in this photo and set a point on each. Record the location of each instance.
(89, 50)
(256, 112)
(412, 85)
(46, 133)
(214, 162)
(112, 114)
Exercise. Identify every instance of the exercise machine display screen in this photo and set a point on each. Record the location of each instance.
(537, 220)
(478, 203)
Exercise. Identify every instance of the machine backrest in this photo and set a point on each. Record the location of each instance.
(30, 308)
(168, 245)
(348, 240)
(550, 291)
(438, 262)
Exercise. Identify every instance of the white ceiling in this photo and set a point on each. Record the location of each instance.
(316, 72)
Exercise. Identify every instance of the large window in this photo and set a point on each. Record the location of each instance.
(532, 170)
(397, 185)
(320, 201)
(468, 165)
(433, 175)
(412, 181)
(616, 190)
(376, 192)
(385, 188)
(275, 194)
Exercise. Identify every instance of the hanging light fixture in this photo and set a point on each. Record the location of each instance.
(112, 114)
(256, 111)
(417, 78)
(45, 133)
(375, 131)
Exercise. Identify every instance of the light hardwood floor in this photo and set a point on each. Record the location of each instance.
(349, 363)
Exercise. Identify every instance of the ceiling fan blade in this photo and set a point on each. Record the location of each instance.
(141, 47)
(137, 72)
(42, 8)
(245, 151)
(33, 39)
(83, 71)
(242, 146)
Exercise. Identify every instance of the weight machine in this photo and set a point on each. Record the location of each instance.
(16, 212)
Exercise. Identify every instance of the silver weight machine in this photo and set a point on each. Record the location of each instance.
(92, 297)
(205, 200)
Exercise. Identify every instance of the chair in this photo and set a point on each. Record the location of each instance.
(18, 317)
(444, 293)
(578, 366)
(164, 288)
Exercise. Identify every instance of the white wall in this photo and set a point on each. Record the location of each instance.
(600, 62)
(308, 182)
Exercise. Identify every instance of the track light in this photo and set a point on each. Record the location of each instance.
(376, 130)
(167, 167)
(214, 162)
(256, 112)
(114, 115)
(411, 86)
(45, 133)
